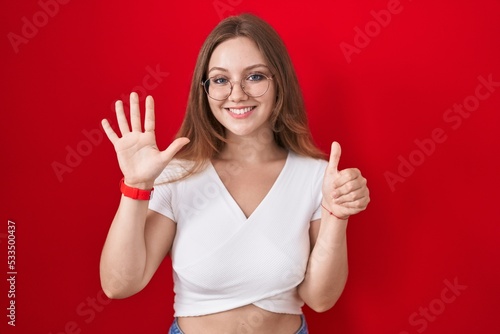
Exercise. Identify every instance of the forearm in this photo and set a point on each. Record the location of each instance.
(123, 258)
(327, 268)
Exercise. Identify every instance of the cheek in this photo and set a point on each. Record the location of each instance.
(272, 98)
(214, 106)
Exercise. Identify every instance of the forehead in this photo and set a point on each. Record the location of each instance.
(236, 54)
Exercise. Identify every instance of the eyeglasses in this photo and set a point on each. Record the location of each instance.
(219, 88)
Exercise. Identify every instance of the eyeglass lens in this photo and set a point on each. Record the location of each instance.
(219, 88)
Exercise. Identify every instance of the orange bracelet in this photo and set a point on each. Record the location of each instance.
(135, 193)
(331, 213)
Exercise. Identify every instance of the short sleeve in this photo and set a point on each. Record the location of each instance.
(164, 194)
(317, 183)
(161, 201)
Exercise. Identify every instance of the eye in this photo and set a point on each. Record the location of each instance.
(255, 77)
(219, 81)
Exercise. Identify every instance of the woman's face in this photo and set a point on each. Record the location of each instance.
(236, 60)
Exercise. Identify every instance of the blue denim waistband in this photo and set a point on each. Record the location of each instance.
(175, 329)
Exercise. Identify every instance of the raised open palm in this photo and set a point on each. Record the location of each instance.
(138, 155)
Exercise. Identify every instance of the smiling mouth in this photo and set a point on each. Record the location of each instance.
(240, 111)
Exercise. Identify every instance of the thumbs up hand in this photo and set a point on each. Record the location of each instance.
(344, 192)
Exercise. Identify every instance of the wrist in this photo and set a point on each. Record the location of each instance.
(143, 185)
(331, 213)
(140, 191)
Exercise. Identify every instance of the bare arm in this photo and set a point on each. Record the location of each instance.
(137, 242)
(344, 194)
(138, 238)
(327, 269)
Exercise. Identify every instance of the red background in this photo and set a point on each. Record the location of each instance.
(437, 225)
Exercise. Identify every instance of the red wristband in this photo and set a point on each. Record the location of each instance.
(135, 193)
(331, 213)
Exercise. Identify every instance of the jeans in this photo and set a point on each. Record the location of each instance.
(175, 329)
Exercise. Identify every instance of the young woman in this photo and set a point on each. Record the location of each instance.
(254, 218)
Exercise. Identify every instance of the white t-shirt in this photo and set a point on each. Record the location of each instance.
(223, 260)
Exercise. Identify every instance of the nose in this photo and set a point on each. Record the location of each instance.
(237, 93)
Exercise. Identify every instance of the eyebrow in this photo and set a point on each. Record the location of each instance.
(251, 67)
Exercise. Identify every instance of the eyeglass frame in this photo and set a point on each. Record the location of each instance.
(269, 78)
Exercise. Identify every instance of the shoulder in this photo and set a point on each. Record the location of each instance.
(308, 170)
(175, 170)
(307, 163)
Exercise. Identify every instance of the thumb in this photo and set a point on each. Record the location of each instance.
(333, 164)
(174, 147)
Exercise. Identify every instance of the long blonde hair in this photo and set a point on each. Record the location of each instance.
(288, 119)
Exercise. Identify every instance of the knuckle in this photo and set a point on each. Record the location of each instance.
(349, 187)
(360, 204)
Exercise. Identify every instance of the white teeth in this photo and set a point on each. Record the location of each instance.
(240, 111)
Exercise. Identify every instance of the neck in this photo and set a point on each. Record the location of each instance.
(253, 149)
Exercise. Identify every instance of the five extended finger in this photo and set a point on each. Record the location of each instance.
(110, 133)
(149, 118)
(120, 117)
(174, 147)
(135, 112)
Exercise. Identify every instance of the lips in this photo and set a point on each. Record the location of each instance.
(240, 111)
